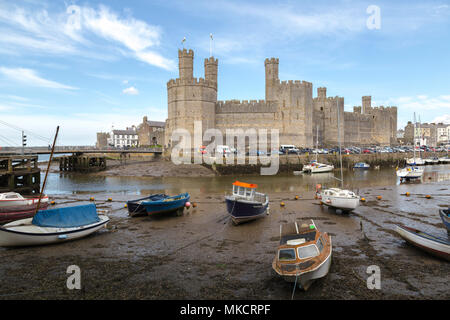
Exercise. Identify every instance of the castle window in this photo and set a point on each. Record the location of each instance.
(321, 108)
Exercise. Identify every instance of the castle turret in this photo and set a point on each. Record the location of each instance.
(186, 64)
(272, 79)
(211, 66)
(322, 93)
(366, 103)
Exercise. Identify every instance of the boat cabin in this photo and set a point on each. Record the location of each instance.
(299, 245)
(10, 196)
(244, 190)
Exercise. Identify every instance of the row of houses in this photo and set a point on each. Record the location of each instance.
(430, 134)
(146, 134)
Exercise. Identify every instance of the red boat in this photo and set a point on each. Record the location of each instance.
(13, 206)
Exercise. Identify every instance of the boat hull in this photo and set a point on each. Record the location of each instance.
(156, 207)
(433, 245)
(26, 234)
(410, 174)
(445, 219)
(304, 280)
(136, 208)
(244, 211)
(345, 204)
(26, 204)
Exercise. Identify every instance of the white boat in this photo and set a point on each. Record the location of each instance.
(315, 167)
(303, 255)
(415, 161)
(444, 160)
(53, 226)
(410, 173)
(13, 201)
(361, 165)
(345, 200)
(434, 245)
(433, 160)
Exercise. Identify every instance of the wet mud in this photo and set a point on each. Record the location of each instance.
(202, 255)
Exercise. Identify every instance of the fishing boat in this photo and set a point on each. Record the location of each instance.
(135, 207)
(445, 216)
(245, 204)
(361, 165)
(14, 206)
(53, 226)
(434, 245)
(340, 198)
(345, 200)
(167, 204)
(303, 255)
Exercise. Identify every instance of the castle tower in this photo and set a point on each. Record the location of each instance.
(186, 64)
(272, 80)
(211, 66)
(366, 104)
(322, 93)
(191, 100)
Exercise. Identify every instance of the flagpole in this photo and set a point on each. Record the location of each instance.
(210, 44)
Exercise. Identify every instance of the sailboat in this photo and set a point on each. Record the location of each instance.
(447, 158)
(340, 198)
(412, 171)
(416, 161)
(314, 166)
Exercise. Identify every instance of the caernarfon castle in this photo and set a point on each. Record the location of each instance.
(289, 107)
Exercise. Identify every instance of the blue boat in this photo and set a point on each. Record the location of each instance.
(445, 216)
(245, 204)
(361, 165)
(135, 207)
(167, 204)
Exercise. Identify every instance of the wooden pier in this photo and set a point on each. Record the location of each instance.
(76, 163)
(20, 174)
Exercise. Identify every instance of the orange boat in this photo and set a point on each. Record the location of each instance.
(303, 255)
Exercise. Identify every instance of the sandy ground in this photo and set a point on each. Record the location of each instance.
(202, 255)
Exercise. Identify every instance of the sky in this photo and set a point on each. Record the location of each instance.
(90, 65)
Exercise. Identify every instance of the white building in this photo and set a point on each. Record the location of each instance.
(124, 138)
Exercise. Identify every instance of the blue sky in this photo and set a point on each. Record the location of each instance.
(88, 65)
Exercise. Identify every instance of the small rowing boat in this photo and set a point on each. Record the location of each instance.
(14, 206)
(361, 165)
(53, 226)
(135, 207)
(434, 245)
(445, 216)
(167, 204)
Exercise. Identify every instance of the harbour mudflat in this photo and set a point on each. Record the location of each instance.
(202, 255)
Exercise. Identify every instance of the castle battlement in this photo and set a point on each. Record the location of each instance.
(245, 106)
(185, 53)
(211, 60)
(192, 82)
(295, 84)
(271, 60)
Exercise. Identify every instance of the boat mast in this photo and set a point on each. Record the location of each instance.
(420, 138)
(48, 169)
(414, 138)
(339, 139)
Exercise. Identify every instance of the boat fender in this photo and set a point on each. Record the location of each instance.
(188, 204)
(62, 236)
(428, 196)
(407, 194)
(282, 204)
(363, 199)
(379, 197)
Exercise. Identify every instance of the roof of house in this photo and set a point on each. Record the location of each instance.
(124, 132)
(156, 123)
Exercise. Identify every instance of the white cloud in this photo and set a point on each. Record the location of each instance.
(30, 77)
(442, 119)
(77, 30)
(131, 91)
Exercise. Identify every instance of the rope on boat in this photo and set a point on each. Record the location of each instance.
(295, 286)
